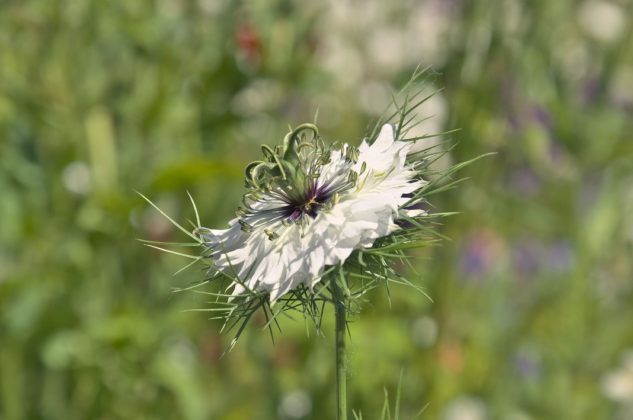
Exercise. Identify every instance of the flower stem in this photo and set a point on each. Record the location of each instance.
(341, 357)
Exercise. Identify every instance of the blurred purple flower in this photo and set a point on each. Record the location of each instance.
(556, 151)
(525, 182)
(449, 5)
(590, 190)
(560, 258)
(541, 116)
(520, 116)
(527, 256)
(481, 250)
(527, 364)
(532, 257)
(590, 90)
(507, 99)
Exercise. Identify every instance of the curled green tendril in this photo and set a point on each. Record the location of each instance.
(266, 150)
(248, 171)
(280, 161)
(291, 139)
(256, 172)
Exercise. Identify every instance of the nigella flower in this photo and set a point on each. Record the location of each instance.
(309, 207)
(322, 225)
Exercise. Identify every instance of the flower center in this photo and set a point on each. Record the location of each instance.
(307, 204)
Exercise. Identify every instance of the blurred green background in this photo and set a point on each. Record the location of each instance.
(533, 313)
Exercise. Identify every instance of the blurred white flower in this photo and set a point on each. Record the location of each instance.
(261, 95)
(603, 20)
(76, 177)
(342, 60)
(574, 59)
(295, 405)
(621, 86)
(426, 33)
(424, 331)
(618, 384)
(373, 95)
(388, 43)
(465, 408)
(320, 205)
(388, 36)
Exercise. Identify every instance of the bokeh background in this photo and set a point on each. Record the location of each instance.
(532, 312)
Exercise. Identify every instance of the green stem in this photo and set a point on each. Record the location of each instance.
(341, 357)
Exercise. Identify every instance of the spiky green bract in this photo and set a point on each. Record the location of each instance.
(289, 167)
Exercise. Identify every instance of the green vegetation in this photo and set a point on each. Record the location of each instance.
(532, 310)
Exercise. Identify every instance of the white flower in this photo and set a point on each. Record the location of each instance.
(618, 383)
(316, 207)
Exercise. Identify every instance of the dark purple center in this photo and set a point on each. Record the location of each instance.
(307, 203)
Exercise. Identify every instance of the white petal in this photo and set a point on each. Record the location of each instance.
(384, 140)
